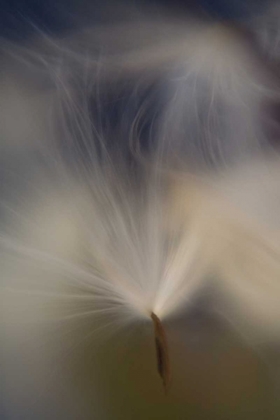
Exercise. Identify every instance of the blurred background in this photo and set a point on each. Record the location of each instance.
(218, 375)
(20, 18)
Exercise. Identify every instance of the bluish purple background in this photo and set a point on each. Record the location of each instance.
(19, 18)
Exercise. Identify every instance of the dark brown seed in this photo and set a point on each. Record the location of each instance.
(163, 362)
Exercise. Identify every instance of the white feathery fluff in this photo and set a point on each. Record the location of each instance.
(105, 220)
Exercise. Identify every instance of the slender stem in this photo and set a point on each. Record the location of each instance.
(163, 362)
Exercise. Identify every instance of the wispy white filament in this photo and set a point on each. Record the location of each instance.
(111, 213)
